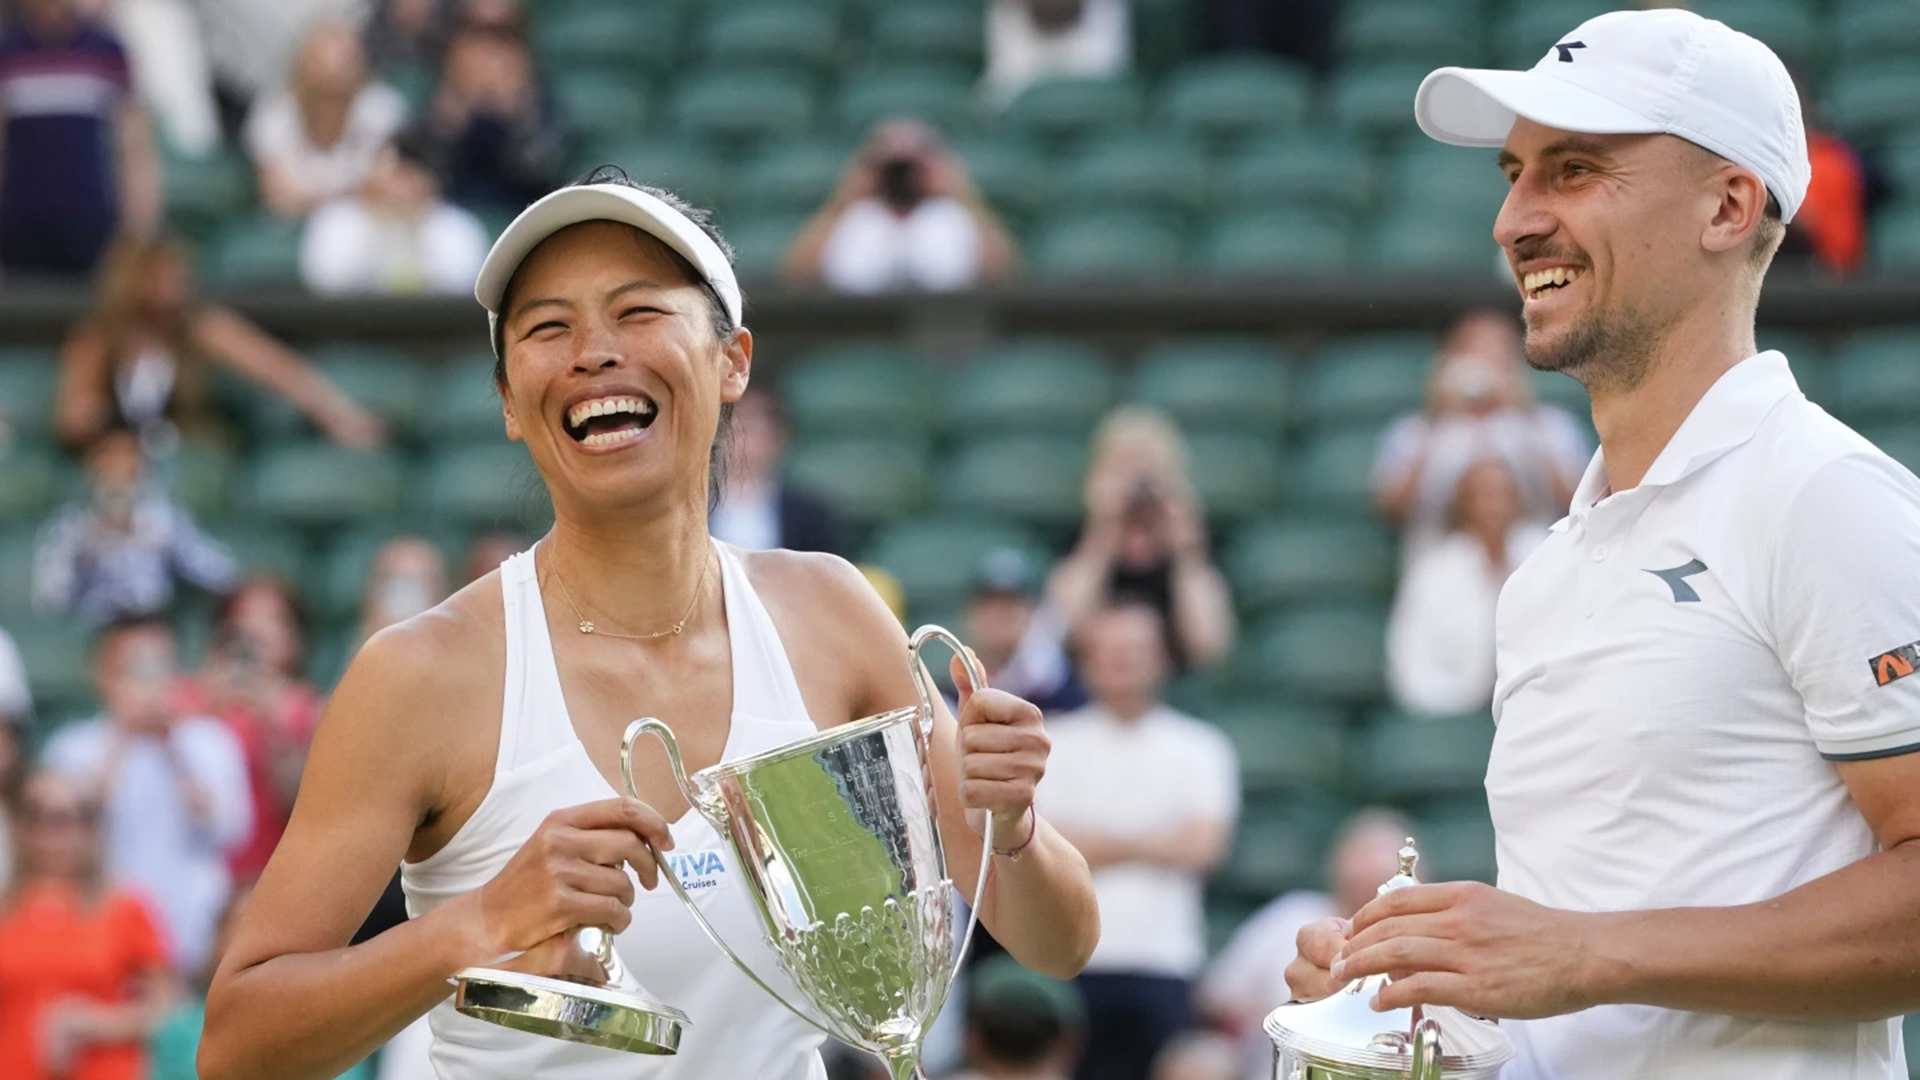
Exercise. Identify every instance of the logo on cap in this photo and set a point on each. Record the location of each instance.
(1566, 50)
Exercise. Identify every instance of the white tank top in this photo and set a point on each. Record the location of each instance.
(736, 1030)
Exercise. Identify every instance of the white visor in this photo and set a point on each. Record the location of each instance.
(601, 202)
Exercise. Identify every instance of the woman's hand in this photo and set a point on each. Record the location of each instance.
(571, 872)
(1003, 755)
(1318, 945)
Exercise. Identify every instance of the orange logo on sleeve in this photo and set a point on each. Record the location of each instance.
(1895, 663)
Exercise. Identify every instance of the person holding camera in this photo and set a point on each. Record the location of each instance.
(905, 217)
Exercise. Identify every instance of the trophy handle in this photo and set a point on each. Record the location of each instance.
(1425, 1064)
(650, 726)
(922, 737)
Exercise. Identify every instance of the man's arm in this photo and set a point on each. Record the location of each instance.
(141, 192)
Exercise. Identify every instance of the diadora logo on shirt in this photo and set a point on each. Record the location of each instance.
(1676, 579)
(697, 869)
(1895, 663)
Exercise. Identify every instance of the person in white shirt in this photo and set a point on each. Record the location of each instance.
(1149, 795)
(1440, 632)
(1032, 40)
(1704, 784)
(172, 788)
(905, 217)
(317, 139)
(1248, 978)
(396, 235)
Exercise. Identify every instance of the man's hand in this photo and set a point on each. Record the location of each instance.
(1473, 947)
(1317, 946)
(1003, 748)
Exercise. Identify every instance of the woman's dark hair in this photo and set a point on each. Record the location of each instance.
(289, 595)
(723, 324)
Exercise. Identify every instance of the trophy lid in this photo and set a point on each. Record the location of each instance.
(1344, 1029)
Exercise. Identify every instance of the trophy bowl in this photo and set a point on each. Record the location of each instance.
(838, 843)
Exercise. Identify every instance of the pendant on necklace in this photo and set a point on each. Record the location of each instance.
(586, 627)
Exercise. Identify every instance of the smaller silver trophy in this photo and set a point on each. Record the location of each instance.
(837, 839)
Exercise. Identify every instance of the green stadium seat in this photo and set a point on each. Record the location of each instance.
(1456, 841)
(201, 476)
(485, 485)
(796, 38)
(1557, 388)
(1108, 247)
(1791, 28)
(1138, 172)
(1330, 653)
(37, 479)
(1296, 559)
(203, 191)
(1229, 98)
(1312, 169)
(416, 83)
(791, 179)
(943, 99)
(1236, 474)
(261, 253)
(761, 242)
(1335, 470)
(1015, 178)
(1284, 748)
(634, 34)
(1275, 244)
(935, 34)
(389, 381)
(1527, 31)
(1899, 441)
(1450, 180)
(18, 540)
(345, 564)
(1872, 30)
(858, 388)
(1869, 100)
(29, 379)
(1066, 109)
(680, 165)
(1377, 99)
(1895, 244)
(601, 105)
(1876, 377)
(1033, 384)
(314, 484)
(866, 478)
(935, 557)
(1034, 479)
(1900, 157)
(1912, 1040)
(1279, 847)
(57, 653)
(1226, 383)
(1414, 239)
(1420, 32)
(1366, 377)
(262, 547)
(1414, 757)
(465, 406)
(742, 107)
(1163, 32)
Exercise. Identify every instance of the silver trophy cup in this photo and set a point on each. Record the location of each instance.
(837, 840)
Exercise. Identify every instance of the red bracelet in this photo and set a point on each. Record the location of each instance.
(1033, 824)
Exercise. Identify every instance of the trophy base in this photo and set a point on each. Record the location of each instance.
(594, 1015)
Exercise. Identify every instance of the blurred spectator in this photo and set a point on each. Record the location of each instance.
(83, 966)
(760, 509)
(176, 1044)
(15, 707)
(172, 786)
(906, 216)
(396, 235)
(252, 682)
(1479, 403)
(407, 33)
(1032, 40)
(1020, 1025)
(1145, 539)
(407, 578)
(1149, 795)
(253, 45)
(140, 358)
(317, 139)
(1830, 229)
(1199, 1055)
(491, 126)
(121, 548)
(171, 71)
(1248, 978)
(1302, 29)
(1440, 633)
(1020, 641)
(487, 551)
(78, 152)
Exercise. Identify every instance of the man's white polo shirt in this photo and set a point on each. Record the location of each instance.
(1680, 665)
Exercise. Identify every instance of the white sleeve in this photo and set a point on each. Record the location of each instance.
(332, 250)
(1437, 661)
(1844, 606)
(1398, 447)
(456, 245)
(220, 767)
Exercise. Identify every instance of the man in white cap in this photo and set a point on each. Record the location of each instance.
(1704, 781)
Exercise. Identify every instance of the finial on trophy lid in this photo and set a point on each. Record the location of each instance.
(1409, 856)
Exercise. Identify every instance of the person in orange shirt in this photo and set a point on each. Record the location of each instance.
(83, 969)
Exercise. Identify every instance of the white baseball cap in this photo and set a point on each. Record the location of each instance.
(1633, 72)
(601, 202)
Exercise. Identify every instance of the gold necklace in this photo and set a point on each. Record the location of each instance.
(585, 625)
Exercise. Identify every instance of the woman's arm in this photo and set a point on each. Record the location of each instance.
(82, 402)
(234, 341)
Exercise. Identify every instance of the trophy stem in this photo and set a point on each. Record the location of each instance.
(906, 1066)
